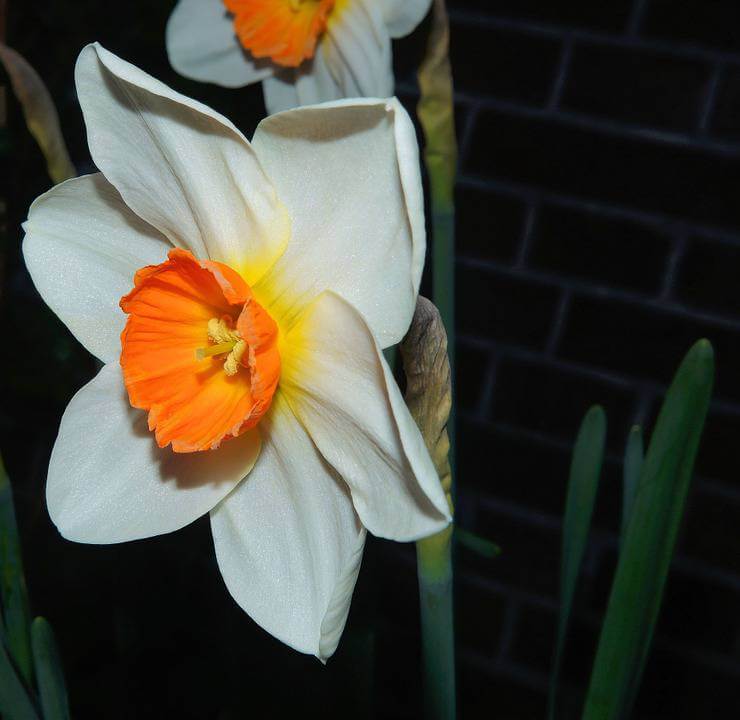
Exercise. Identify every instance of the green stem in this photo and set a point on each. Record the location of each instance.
(434, 562)
(436, 112)
(434, 555)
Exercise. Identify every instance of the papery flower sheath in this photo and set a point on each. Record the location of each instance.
(303, 51)
(239, 296)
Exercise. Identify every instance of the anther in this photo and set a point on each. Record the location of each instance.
(226, 341)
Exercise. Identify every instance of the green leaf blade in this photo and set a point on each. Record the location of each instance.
(583, 483)
(49, 674)
(649, 539)
(16, 615)
(633, 458)
(475, 543)
(14, 701)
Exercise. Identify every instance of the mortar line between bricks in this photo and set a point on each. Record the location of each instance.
(628, 42)
(704, 485)
(487, 395)
(591, 123)
(710, 98)
(575, 367)
(548, 603)
(515, 511)
(672, 266)
(561, 313)
(556, 93)
(699, 655)
(547, 521)
(720, 490)
(511, 617)
(643, 406)
(509, 670)
(496, 587)
(604, 126)
(599, 291)
(700, 569)
(591, 618)
(535, 437)
(696, 655)
(466, 511)
(530, 221)
(598, 207)
(407, 557)
(466, 137)
(530, 356)
(634, 24)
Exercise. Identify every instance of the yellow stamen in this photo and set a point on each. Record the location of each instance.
(225, 341)
(231, 366)
(210, 351)
(220, 332)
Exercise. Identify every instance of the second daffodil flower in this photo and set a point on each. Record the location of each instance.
(239, 296)
(303, 51)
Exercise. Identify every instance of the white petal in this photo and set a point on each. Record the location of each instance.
(82, 248)
(340, 387)
(288, 541)
(310, 84)
(402, 16)
(109, 482)
(349, 174)
(353, 59)
(280, 92)
(201, 45)
(179, 165)
(357, 49)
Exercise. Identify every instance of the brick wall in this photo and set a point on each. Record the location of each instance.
(598, 237)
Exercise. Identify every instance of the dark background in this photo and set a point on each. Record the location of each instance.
(598, 236)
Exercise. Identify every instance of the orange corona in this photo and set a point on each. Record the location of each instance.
(199, 353)
(285, 31)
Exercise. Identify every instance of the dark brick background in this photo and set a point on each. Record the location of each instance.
(598, 237)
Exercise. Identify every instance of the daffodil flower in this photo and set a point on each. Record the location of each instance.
(303, 51)
(239, 296)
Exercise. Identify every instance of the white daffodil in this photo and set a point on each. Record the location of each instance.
(303, 51)
(243, 374)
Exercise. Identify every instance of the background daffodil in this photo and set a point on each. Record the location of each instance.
(306, 246)
(303, 51)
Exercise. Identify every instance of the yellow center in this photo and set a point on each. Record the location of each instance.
(225, 340)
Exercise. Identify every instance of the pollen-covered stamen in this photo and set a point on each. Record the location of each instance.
(226, 340)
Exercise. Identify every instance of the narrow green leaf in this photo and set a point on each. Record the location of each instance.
(16, 615)
(49, 674)
(585, 471)
(479, 545)
(633, 457)
(14, 702)
(650, 538)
